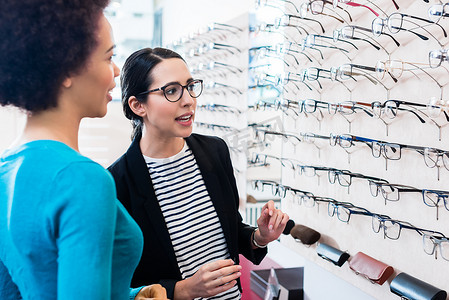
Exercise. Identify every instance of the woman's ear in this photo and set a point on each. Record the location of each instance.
(136, 106)
(67, 83)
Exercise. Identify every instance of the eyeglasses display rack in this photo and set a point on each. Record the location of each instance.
(339, 109)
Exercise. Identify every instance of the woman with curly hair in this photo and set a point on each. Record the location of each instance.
(63, 233)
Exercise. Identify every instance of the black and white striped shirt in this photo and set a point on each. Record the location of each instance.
(192, 222)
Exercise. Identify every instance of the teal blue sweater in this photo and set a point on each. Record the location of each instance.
(63, 233)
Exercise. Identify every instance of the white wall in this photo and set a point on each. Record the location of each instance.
(11, 124)
(180, 18)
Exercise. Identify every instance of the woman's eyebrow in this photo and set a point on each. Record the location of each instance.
(110, 49)
(178, 82)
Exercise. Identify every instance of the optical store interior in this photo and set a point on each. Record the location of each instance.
(338, 111)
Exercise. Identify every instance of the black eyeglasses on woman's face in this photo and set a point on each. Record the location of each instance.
(174, 91)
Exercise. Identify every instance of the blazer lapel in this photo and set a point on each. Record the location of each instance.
(145, 193)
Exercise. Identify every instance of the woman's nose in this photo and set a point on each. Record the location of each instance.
(186, 99)
(116, 70)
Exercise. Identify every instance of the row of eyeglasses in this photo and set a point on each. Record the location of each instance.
(391, 228)
(395, 23)
(389, 108)
(384, 111)
(348, 71)
(205, 35)
(433, 157)
(318, 7)
(391, 192)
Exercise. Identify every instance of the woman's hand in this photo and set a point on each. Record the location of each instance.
(154, 291)
(271, 223)
(211, 279)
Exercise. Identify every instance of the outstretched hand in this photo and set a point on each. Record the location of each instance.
(271, 223)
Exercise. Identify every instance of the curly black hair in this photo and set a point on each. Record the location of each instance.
(42, 43)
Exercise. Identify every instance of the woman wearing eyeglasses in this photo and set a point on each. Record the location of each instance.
(63, 233)
(180, 186)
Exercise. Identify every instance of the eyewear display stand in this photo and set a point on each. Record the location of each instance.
(290, 282)
(328, 107)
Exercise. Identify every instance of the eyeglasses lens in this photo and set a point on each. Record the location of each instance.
(446, 160)
(392, 229)
(435, 12)
(428, 244)
(374, 188)
(309, 105)
(395, 22)
(303, 10)
(377, 26)
(430, 198)
(392, 151)
(444, 249)
(316, 7)
(376, 223)
(389, 192)
(308, 201)
(336, 35)
(377, 109)
(174, 92)
(308, 171)
(347, 32)
(376, 149)
(430, 157)
(391, 109)
(435, 58)
(380, 69)
(345, 141)
(396, 68)
(346, 108)
(343, 213)
(434, 107)
(344, 179)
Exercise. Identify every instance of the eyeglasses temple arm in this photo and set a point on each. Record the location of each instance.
(395, 4)
(428, 21)
(344, 41)
(316, 49)
(361, 5)
(413, 112)
(347, 12)
(369, 42)
(227, 25)
(299, 52)
(369, 30)
(307, 19)
(424, 38)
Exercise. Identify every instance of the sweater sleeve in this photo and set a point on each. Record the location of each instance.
(82, 218)
(133, 292)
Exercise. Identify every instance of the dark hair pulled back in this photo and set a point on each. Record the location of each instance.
(136, 78)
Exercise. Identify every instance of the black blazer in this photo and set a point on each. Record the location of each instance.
(135, 190)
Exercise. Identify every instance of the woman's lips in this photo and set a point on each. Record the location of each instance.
(185, 119)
